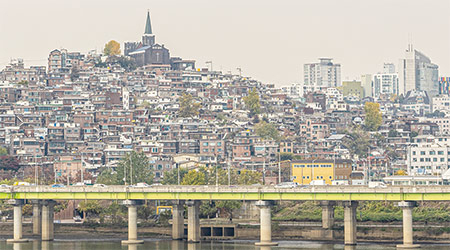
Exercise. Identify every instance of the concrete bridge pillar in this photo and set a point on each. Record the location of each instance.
(407, 207)
(37, 217)
(193, 221)
(47, 220)
(265, 224)
(327, 214)
(178, 221)
(350, 222)
(132, 221)
(17, 231)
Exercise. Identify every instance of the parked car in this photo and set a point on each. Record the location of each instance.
(377, 184)
(58, 185)
(317, 183)
(287, 185)
(99, 185)
(77, 219)
(79, 184)
(140, 185)
(4, 186)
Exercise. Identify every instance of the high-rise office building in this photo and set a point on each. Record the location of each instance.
(321, 75)
(417, 72)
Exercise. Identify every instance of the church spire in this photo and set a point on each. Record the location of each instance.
(148, 25)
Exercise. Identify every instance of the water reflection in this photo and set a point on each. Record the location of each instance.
(349, 247)
(17, 246)
(132, 246)
(76, 244)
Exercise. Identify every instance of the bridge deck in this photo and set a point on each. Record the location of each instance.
(335, 193)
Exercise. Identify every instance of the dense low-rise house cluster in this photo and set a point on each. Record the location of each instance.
(88, 111)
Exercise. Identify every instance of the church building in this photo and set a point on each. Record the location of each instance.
(147, 52)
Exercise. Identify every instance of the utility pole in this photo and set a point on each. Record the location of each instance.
(279, 163)
(178, 173)
(217, 176)
(131, 168)
(264, 171)
(82, 168)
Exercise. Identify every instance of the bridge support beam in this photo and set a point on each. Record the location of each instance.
(327, 214)
(37, 217)
(47, 220)
(132, 221)
(407, 207)
(178, 221)
(265, 224)
(17, 232)
(350, 222)
(193, 221)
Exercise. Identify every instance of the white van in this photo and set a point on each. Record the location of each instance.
(377, 184)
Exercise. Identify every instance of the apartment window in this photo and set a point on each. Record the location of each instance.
(422, 152)
(440, 152)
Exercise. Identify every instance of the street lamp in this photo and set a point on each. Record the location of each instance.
(312, 166)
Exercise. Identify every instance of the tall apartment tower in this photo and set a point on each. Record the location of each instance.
(321, 75)
(417, 72)
(386, 82)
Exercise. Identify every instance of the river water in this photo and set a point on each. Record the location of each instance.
(181, 245)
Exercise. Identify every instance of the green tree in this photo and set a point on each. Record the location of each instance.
(208, 209)
(3, 151)
(89, 207)
(222, 176)
(171, 177)
(229, 206)
(134, 166)
(252, 102)
(188, 107)
(357, 142)
(107, 177)
(286, 156)
(267, 131)
(248, 177)
(373, 118)
(194, 177)
(112, 48)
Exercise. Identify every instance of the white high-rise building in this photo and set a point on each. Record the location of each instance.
(322, 75)
(385, 83)
(417, 72)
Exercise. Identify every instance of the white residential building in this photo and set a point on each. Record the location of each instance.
(428, 159)
(386, 83)
(440, 103)
(321, 75)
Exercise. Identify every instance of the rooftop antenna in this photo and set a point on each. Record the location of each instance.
(410, 45)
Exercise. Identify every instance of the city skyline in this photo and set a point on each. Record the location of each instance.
(214, 26)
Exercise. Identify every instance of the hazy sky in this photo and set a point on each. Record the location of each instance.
(269, 40)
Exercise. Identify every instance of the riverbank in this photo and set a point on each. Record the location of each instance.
(375, 232)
